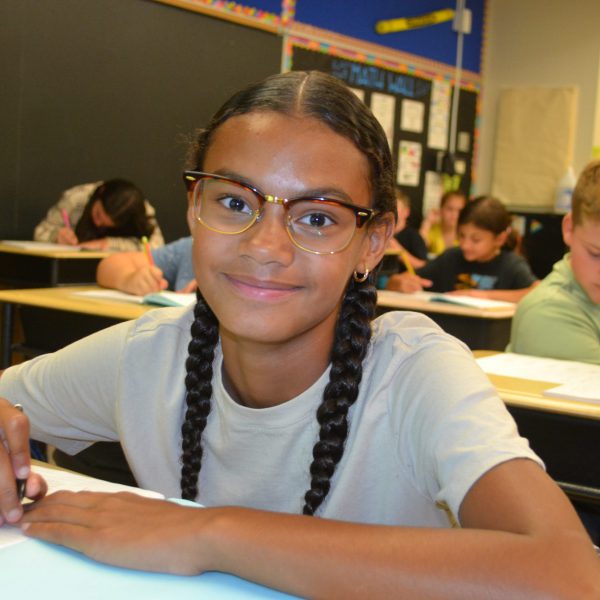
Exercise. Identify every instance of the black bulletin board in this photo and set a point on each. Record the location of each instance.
(93, 89)
(376, 79)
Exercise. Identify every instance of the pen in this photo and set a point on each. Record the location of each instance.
(65, 218)
(20, 482)
(407, 263)
(147, 250)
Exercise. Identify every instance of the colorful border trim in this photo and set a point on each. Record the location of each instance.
(370, 58)
(232, 11)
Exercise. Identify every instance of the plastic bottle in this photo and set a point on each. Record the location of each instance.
(564, 191)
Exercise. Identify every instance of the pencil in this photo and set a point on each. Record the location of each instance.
(20, 482)
(65, 218)
(407, 263)
(147, 250)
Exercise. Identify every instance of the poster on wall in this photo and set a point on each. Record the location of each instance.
(411, 116)
(439, 115)
(432, 191)
(409, 163)
(384, 109)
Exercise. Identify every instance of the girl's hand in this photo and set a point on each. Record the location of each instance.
(433, 216)
(15, 462)
(124, 529)
(407, 283)
(145, 280)
(67, 236)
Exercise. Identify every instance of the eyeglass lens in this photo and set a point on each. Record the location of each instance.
(314, 225)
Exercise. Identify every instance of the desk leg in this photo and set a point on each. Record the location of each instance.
(7, 333)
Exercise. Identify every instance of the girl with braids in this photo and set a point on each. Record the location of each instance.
(321, 442)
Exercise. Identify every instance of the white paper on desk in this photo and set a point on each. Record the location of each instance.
(584, 390)
(536, 368)
(471, 301)
(110, 295)
(31, 245)
(58, 479)
(167, 298)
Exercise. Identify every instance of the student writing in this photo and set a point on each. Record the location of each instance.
(561, 317)
(109, 215)
(481, 265)
(132, 272)
(318, 440)
(412, 252)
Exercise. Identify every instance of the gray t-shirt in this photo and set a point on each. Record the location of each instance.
(426, 424)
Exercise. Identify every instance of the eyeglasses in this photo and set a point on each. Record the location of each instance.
(317, 225)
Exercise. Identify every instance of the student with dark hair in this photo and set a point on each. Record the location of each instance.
(324, 445)
(406, 243)
(109, 215)
(484, 263)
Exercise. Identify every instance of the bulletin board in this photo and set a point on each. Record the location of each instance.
(414, 109)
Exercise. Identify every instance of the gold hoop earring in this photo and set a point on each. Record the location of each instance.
(361, 277)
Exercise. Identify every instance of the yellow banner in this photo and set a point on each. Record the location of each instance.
(403, 24)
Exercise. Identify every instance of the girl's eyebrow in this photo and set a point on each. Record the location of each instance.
(319, 192)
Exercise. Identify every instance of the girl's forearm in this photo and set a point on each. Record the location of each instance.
(318, 558)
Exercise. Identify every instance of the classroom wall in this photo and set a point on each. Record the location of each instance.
(112, 88)
(540, 43)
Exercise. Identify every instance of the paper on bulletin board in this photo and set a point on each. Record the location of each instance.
(535, 136)
(360, 94)
(439, 115)
(384, 108)
(432, 191)
(409, 163)
(412, 115)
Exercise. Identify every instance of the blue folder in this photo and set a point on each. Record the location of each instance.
(35, 569)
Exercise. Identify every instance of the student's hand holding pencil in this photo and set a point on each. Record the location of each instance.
(408, 283)
(145, 280)
(16, 478)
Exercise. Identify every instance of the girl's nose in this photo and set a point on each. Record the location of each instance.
(268, 240)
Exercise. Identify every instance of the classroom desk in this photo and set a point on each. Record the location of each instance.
(55, 317)
(564, 433)
(29, 267)
(479, 329)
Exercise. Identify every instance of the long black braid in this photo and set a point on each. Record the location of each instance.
(198, 383)
(352, 336)
(322, 97)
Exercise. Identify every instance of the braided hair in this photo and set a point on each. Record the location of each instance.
(320, 96)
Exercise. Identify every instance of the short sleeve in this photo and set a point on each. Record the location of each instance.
(455, 427)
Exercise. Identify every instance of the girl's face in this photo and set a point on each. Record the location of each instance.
(261, 286)
(584, 242)
(479, 244)
(100, 217)
(451, 209)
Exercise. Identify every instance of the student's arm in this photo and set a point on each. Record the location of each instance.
(53, 229)
(518, 542)
(407, 283)
(416, 262)
(432, 217)
(130, 272)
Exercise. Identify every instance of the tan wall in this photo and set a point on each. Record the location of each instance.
(541, 43)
